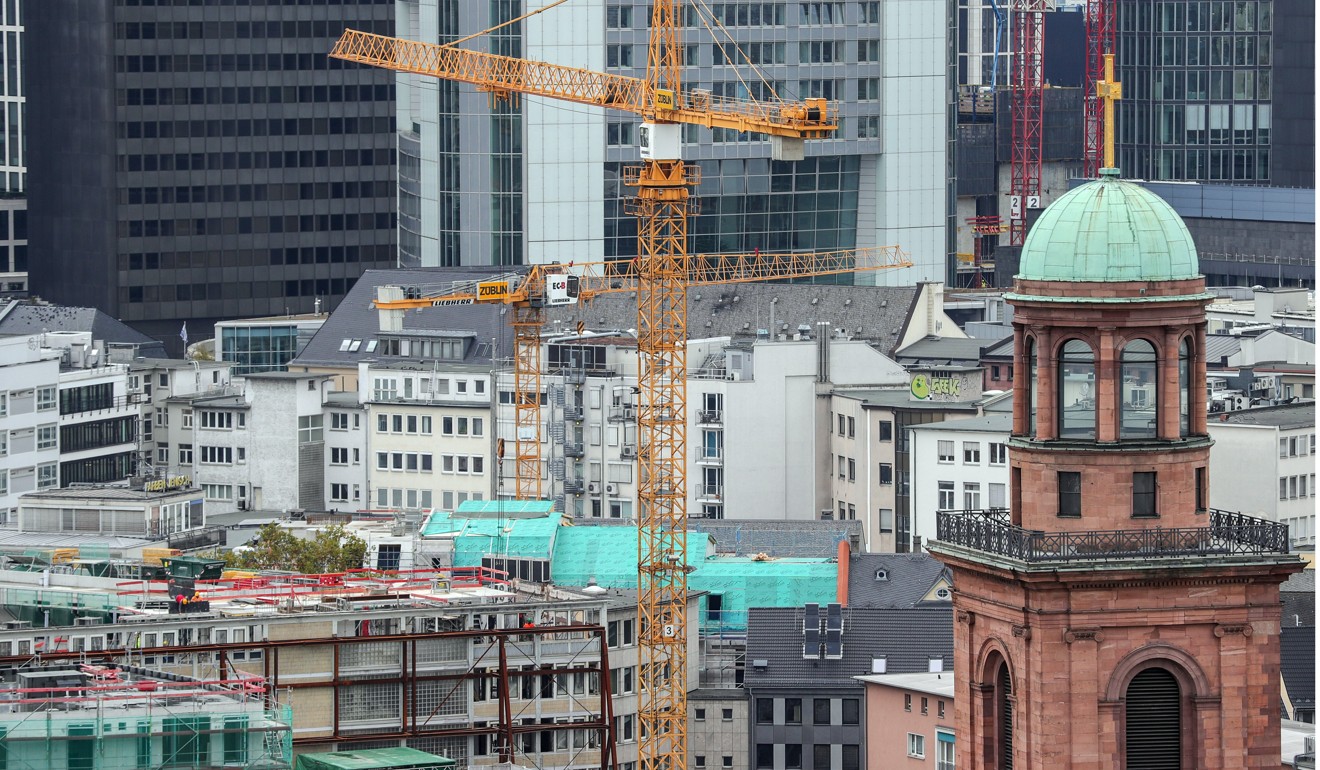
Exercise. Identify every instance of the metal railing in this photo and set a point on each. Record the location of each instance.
(1228, 533)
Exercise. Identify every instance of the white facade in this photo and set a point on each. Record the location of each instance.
(428, 435)
(1267, 471)
(264, 449)
(26, 370)
(346, 429)
(166, 388)
(776, 442)
(958, 465)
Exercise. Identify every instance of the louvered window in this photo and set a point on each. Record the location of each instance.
(1154, 720)
(1005, 698)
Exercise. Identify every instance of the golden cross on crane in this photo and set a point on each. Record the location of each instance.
(1109, 91)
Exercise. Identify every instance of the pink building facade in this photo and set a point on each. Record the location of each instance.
(909, 721)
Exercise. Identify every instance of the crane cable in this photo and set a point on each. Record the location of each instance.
(759, 72)
(502, 24)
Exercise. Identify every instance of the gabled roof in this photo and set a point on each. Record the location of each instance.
(1001, 348)
(357, 319)
(906, 638)
(1297, 664)
(909, 578)
(21, 318)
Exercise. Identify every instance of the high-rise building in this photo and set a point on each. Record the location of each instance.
(1109, 617)
(1217, 92)
(13, 161)
(196, 163)
(534, 180)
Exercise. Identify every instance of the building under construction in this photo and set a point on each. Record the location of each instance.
(70, 716)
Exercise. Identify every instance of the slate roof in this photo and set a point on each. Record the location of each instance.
(20, 318)
(910, 576)
(943, 350)
(906, 638)
(778, 538)
(1297, 659)
(1298, 596)
(874, 313)
(356, 318)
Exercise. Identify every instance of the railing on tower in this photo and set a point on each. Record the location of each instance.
(1227, 533)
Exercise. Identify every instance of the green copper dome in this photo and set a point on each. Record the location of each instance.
(1109, 231)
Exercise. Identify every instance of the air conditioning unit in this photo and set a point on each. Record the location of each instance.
(611, 489)
(630, 412)
(593, 488)
(628, 450)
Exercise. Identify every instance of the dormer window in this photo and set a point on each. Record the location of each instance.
(882, 574)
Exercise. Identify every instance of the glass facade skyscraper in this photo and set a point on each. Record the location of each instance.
(534, 180)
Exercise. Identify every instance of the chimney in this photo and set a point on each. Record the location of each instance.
(822, 351)
(841, 589)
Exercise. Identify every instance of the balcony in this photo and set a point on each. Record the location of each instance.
(710, 417)
(1227, 534)
(573, 450)
(710, 493)
(573, 413)
(574, 486)
(624, 413)
(711, 457)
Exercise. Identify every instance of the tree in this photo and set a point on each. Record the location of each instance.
(332, 549)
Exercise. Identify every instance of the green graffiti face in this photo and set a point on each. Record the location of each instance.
(920, 387)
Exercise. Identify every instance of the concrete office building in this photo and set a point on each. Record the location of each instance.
(196, 165)
(540, 181)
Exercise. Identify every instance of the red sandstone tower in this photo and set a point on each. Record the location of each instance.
(1108, 619)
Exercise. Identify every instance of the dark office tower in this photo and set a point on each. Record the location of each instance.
(192, 160)
(1220, 92)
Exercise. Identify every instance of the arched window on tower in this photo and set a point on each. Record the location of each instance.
(1153, 721)
(1032, 383)
(1076, 391)
(1004, 719)
(1139, 394)
(1185, 388)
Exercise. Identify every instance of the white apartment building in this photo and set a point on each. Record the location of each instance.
(29, 405)
(264, 448)
(167, 387)
(959, 465)
(1263, 464)
(346, 456)
(428, 434)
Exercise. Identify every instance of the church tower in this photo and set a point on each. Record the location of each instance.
(1108, 619)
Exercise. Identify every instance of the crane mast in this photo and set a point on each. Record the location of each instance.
(662, 205)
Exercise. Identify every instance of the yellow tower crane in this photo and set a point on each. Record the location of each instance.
(663, 185)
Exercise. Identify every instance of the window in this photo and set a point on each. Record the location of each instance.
(852, 427)
(47, 475)
(907, 701)
(944, 754)
(820, 755)
(1033, 386)
(946, 451)
(1199, 482)
(698, 714)
(339, 493)
(765, 711)
(916, 745)
(47, 398)
(47, 436)
(820, 711)
(852, 712)
(792, 711)
(309, 429)
(726, 760)
(1143, 494)
(998, 454)
(1137, 401)
(935, 665)
(163, 454)
(1153, 723)
(946, 494)
(886, 474)
(698, 760)
(939, 709)
(217, 455)
(338, 421)
(1070, 493)
(185, 454)
(971, 452)
(971, 496)
(925, 705)
(886, 519)
(339, 455)
(1076, 391)
(765, 756)
(1185, 388)
(851, 757)
(726, 715)
(886, 430)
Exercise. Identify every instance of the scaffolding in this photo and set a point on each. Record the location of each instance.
(95, 717)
